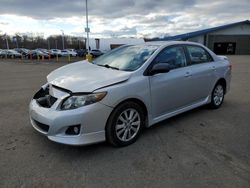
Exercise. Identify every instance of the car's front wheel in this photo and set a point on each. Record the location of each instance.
(217, 96)
(125, 124)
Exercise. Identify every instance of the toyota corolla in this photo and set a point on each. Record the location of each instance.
(127, 89)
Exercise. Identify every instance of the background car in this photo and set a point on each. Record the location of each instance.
(10, 54)
(3, 53)
(56, 52)
(45, 51)
(81, 52)
(96, 53)
(66, 53)
(35, 54)
(22, 51)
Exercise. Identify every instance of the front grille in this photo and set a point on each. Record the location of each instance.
(47, 101)
(44, 99)
(41, 126)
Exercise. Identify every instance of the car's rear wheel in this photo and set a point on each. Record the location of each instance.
(125, 124)
(217, 97)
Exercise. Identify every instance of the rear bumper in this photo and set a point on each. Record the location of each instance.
(92, 119)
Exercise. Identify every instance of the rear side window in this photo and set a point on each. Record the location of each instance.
(198, 55)
(174, 56)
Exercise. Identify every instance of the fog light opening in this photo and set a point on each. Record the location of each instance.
(76, 130)
(73, 130)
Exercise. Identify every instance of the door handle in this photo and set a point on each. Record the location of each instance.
(213, 68)
(188, 74)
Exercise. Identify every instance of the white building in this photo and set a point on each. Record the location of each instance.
(106, 44)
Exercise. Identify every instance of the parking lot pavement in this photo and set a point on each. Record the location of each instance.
(201, 148)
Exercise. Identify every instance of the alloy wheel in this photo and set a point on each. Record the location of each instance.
(128, 125)
(218, 95)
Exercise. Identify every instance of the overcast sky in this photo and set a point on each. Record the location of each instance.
(119, 18)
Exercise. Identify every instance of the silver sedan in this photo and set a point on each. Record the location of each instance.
(126, 90)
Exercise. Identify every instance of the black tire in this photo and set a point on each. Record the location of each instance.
(111, 135)
(215, 104)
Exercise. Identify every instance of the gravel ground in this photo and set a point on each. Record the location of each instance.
(200, 148)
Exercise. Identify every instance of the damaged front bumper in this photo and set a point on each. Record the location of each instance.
(47, 118)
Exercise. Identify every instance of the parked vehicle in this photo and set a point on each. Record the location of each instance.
(2, 53)
(22, 51)
(66, 53)
(10, 54)
(47, 52)
(81, 52)
(71, 50)
(96, 53)
(126, 89)
(35, 54)
(56, 52)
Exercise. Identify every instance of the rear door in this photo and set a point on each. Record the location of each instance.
(203, 71)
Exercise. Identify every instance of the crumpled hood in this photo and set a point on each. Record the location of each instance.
(85, 77)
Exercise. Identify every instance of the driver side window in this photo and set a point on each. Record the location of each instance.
(174, 56)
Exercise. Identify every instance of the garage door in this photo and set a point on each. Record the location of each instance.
(230, 44)
(224, 47)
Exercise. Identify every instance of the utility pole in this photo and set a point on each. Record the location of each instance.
(48, 43)
(7, 42)
(15, 41)
(87, 30)
(62, 39)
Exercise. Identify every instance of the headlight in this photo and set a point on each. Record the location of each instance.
(76, 101)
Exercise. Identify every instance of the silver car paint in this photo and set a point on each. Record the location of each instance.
(85, 77)
(164, 95)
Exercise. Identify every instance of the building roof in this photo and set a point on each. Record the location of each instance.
(203, 32)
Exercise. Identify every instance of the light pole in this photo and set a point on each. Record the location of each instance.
(87, 30)
(18, 36)
(48, 43)
(62, 39)
(7, 42)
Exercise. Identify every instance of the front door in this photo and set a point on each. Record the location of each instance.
(170, 91)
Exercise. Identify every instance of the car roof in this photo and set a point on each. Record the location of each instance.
(167, 43)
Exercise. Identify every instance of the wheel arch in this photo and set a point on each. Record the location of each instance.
(223, 82)
(135, 100)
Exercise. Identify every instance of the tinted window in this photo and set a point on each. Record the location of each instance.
(174, 56)
(198, 55)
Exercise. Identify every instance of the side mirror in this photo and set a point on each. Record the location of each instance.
(160, 68)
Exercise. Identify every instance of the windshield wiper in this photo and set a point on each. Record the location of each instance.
(108, 66)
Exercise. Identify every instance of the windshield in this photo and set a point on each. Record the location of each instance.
(126, 58)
